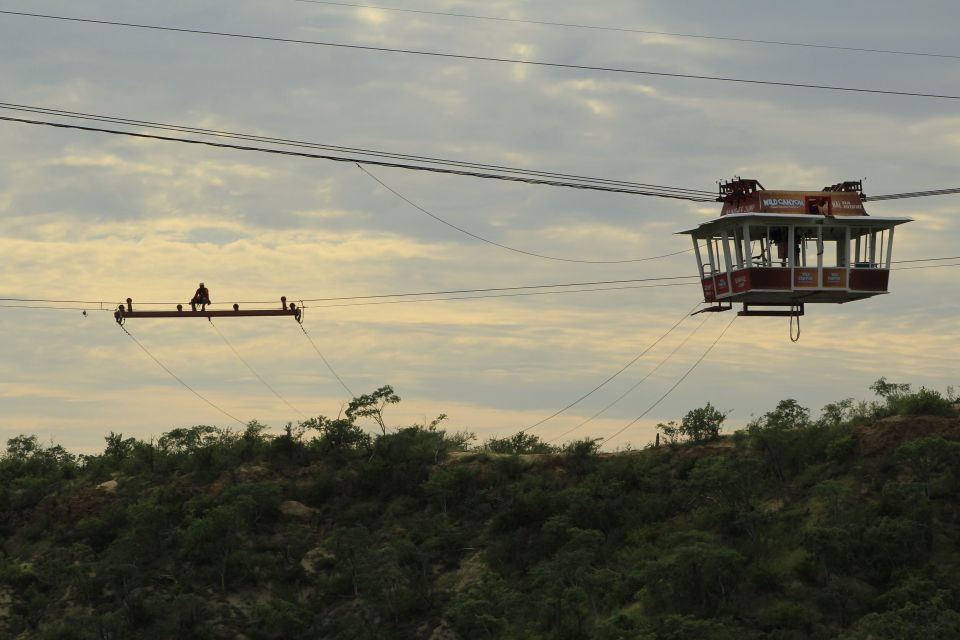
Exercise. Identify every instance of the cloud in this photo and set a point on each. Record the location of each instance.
(370, 15)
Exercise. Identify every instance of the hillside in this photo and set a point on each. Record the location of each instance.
(847, 526)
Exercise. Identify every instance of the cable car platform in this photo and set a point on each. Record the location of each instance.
(124, 312)
(784, 249)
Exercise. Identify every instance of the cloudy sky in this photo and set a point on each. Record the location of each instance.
(85, 216)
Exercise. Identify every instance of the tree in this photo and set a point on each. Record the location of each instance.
(446, 485)
(337, 436)
(934, 619)
(702, 424)
(729, 484)
(699, 425)
(351, 547)
(671, 430)
(22, 447)
(778, 434)
(372, 405)
(696, 576)
(890, 391)
(188, 440)
(834, 414)
(927, 455)
(830, 549)
(482, 610)
(789, 414)
(118, 448)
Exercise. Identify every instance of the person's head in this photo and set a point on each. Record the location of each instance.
(201, 285)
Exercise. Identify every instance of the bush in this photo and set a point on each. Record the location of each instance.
(925, 402)
(520, 443)
(583, 449)
(840, 449)
(787, 615)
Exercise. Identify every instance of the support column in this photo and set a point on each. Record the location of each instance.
(696, 251)
(889, 248)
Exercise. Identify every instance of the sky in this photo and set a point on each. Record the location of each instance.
(86, 216)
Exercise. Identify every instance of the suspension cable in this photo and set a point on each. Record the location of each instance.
(479, 58)
(178, 379)
(675, 385)
(326, 362)
(634, 387)
(610, 378)
(503, 246)
(589, 186)
(253, 371)
(287, 142)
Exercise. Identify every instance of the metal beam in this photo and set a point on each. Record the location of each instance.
(210, 314)
(124, 312)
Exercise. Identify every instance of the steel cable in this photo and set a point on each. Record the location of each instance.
(675, 385)
(178, 379)
(253, 371)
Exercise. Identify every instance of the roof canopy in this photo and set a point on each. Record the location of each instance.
(864, 222)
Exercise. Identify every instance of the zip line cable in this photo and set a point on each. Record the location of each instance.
(491, 289)
(24, 306)
(676, 384)
(637, 384)
(454, 291)
(503, 246)
(499, 295)
(329, 366)
(695, 195)
(572, 25)
(924, 260)
(316, 145)
(253, 371)
(178, 379)
(455, 298)
(380, 296)
(915, 194)
(445, 299)
(386, 154)
(395, 165)
(929, 266)
(609, 379)
(698, 193)
(477, 58)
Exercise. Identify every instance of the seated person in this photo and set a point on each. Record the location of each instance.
(201, 297)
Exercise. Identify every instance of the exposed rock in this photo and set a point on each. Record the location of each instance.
(772, 506)
(220, 484)
(251, 473)
(110, 486)
(6, 599)
(294, 509)
(443, 632)
(316, 560)
(470, 572)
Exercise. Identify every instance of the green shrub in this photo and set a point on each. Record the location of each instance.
(519, 443)
(840, 449)
(787, 615)
(925, 402)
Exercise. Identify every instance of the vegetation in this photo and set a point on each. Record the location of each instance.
(846, 526)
